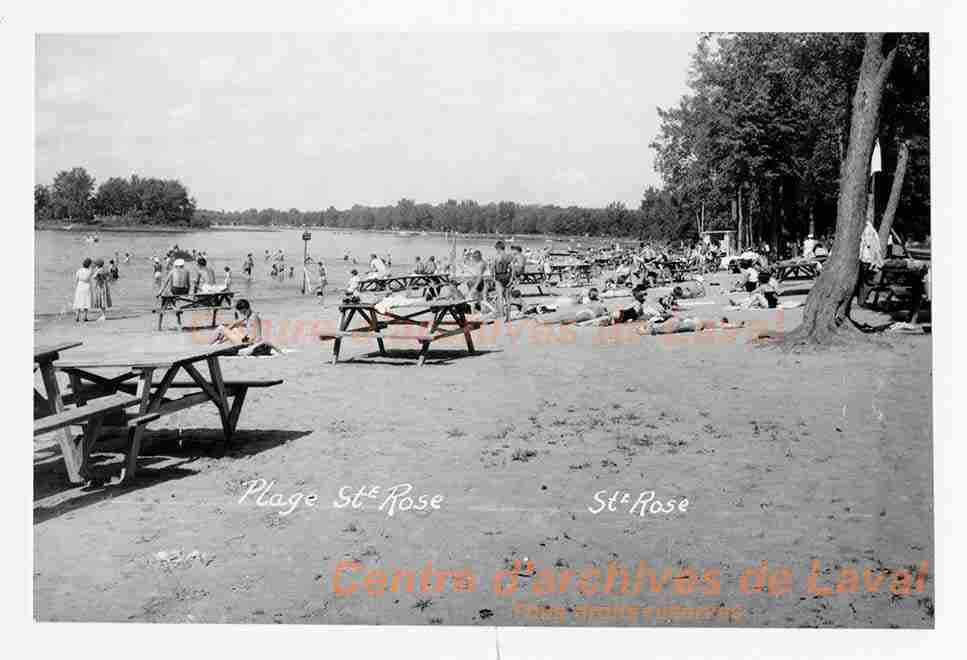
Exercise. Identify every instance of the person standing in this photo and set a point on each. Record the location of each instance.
(178, 280)
(502, 270)
(101, 293)
(248, 266)
(82, 290)
(205, 277)
(323, 280)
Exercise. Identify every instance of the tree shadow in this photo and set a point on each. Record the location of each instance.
(166, 455)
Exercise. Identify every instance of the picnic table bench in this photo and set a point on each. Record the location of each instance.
(403, 283)
(50, 402)
(200, 302)
(377, 320)
(137, 388)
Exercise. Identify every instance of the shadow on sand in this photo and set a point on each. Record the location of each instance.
(408, 357)
(166, 455)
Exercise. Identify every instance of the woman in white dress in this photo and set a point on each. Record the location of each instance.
(82, 291)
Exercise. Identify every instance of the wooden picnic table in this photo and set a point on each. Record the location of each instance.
(151, 396)
(404, 282)
(535, 277)
(796, 269)
(207, 301)
(378, 320)
(51, 402)
(884, 282)
(582, 270)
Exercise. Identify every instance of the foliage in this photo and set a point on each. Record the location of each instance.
(138, 199)
(768, 115)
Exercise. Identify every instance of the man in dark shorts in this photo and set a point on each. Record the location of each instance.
(178, 280)
(503, 272)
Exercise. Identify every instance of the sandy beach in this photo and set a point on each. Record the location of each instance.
(783, 458)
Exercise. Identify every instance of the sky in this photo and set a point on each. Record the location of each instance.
(310, 121)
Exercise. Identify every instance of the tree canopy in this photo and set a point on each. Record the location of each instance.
(72, 196)
(765, 124)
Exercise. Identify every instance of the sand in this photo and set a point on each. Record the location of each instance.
(783, 458)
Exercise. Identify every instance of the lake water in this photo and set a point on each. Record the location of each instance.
(58, 255)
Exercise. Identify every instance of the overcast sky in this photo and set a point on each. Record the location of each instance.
(309, 121)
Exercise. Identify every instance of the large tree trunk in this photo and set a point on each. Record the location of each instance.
(901, 169)
(828, 304)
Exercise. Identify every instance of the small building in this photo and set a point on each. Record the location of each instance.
(724, 237)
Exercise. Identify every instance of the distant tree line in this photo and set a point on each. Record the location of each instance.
(72, 196)
(657, 218)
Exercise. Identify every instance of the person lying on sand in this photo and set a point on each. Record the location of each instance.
(676, 325)
(245, 331)
(690, 289)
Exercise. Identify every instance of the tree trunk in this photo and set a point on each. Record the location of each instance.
(901, 169)
(828, 304)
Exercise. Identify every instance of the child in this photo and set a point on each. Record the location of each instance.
(228, 279)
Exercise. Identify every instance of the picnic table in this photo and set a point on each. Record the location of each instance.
(403, 283)
(581, 270)
(214, 302)
(536, 278)
(796, 269)
(898, 280)
(50, 402)
(378, 319)
(136, 387)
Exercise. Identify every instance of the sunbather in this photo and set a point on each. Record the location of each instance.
(676, 325)
(245, 331)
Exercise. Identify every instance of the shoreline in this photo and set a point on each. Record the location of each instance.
(403, 233)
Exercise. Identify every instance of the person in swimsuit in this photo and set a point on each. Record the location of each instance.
(245, 331)
(178, 281)
(503, 272)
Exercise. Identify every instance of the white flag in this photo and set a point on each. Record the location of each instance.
(875, 163)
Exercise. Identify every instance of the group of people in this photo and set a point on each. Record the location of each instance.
(92, 288)
(181, 282)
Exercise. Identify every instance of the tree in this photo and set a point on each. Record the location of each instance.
(71, 194)
(828, 304)
(114, 197)
(891, 206)
(41, 202)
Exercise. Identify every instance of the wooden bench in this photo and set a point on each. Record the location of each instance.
(178, 313)
(91, 416)
(231, 384)
(82, 414)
